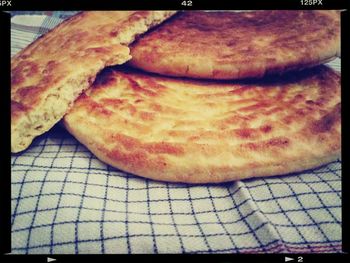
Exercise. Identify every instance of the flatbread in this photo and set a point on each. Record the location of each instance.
(48, 75)
(191, 131)
(235, 45)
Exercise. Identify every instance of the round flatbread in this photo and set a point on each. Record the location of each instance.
(49, 74)
(234, 45)
(202, 132)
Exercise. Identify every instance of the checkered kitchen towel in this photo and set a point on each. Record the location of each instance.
(64, 200)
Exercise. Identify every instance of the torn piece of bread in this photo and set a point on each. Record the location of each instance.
(48, 75)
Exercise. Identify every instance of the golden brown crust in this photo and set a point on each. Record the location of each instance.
(201, 132)
(233, 45)
(48, 75)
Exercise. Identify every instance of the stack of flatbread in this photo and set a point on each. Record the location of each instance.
(204, 96)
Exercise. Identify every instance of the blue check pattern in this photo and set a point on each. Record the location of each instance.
(66, 201)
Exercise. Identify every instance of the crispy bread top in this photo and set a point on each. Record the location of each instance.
(199, 132)
(50, 73)
(234, 45)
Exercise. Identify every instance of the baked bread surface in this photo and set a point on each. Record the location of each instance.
(178, 130)
(235, 45)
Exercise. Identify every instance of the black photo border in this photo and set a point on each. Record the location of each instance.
(69, 5)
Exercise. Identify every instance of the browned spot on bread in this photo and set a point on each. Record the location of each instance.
(114, 33)
(131, 109)
(266, 128)
(134, 85)
(112, 102)
(137, 16)
(201, 27)
(17, 109)
(274, 110)
(29, 91)
(164, 148)
(274, 143)
(127, 141)
(50, 67)
(16, 79)
(73, 41)
(240, 91)
(24, 69)
(310, 102)
(136, 160)
(287, 120)
(95, 107)
(255, 107)
(327, 122)
(281, 142)
(244, 133)
(147, 116)
(237, 119)
(16, 106)
(155, 86)
(298, 98)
